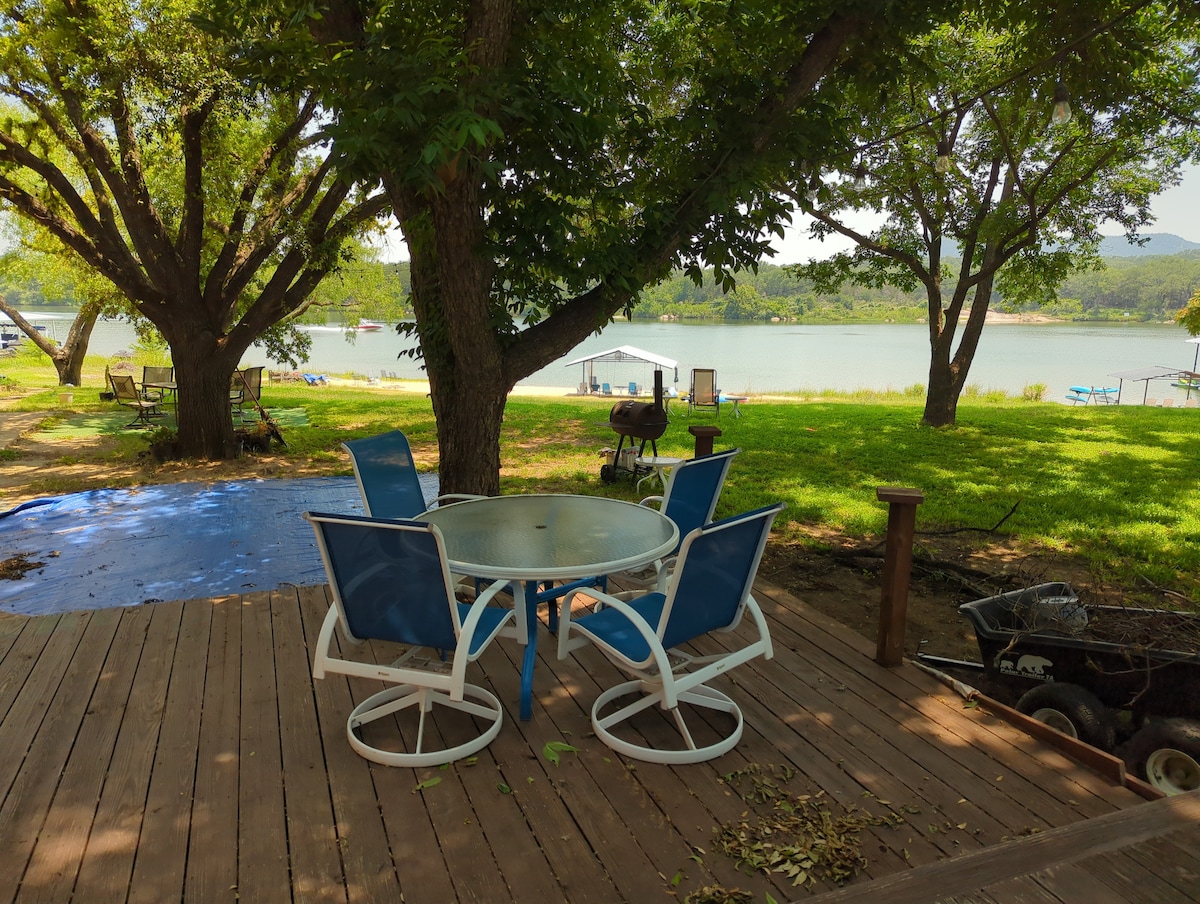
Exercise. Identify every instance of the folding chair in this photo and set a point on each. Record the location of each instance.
(704, 392)
(129, 395)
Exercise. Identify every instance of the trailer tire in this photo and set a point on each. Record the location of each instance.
(1073, 710)
(1166, 753)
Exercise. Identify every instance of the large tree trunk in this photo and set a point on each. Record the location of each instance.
(948, 374)
(451, 287)
(941, 397)
(203, 371)
(68, 357)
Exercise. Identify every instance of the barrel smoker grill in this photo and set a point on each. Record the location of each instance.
(640, 423)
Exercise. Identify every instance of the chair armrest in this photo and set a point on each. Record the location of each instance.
(476, 612)
(659, 657)
(566, 644)
(451, 498)
(650, 499)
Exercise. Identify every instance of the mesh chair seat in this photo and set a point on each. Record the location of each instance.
(390, 582)
(649, 637)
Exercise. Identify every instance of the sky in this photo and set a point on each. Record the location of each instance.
(1177, 211)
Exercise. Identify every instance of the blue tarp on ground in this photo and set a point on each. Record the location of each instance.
(170, 542)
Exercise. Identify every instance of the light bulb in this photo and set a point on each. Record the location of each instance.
(941, 166)
(860, 177)
(1062, 105)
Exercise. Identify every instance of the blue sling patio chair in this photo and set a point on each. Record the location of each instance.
(387, 480)
(390, 582)
(689, 499)
(644, 635)
(387, 476)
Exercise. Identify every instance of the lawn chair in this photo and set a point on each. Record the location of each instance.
(390, 582)
(245, 388)
(129, 394)
(704, 392)
(642, 635)
(387, 476)
(152, 374)
(689, 499)
(606, 389)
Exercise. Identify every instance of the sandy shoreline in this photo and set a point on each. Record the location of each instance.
(422, 387)
(545, 392)
(1001, 317)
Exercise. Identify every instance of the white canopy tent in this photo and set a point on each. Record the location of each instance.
(1185, 379)
(623, 355)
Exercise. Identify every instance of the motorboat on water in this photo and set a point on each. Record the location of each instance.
(365, 326)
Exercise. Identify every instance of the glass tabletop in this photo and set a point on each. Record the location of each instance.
(551, 537)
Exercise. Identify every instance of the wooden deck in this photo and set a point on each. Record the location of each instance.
(183, 752)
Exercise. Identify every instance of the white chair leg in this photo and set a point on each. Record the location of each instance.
(394, 700)
(701, 695)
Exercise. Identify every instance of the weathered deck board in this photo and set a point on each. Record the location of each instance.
(160, 848)
(107, 863)
(1087, 862)
(54, 861)
(183, 752)
(351, 813)
(262, 833)
(33, 790)
(927, 698)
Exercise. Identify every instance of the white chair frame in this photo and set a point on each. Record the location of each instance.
(668, 677)
(417, 683)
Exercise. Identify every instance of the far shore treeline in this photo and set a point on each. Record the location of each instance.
(1149, 287)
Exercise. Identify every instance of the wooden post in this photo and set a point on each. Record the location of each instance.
(897, 569)
(704, 439)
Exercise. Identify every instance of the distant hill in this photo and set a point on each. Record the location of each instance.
(1159, 243)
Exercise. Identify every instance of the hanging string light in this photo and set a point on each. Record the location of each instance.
(1062, 105)
(941, 166)
(814, 186)
(860, 176)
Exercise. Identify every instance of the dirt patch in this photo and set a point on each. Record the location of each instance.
(842, 577)
(37, 464)
(13, 569)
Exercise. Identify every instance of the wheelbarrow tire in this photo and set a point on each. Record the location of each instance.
(608, 473)
(1166, 753)
(1073, 710)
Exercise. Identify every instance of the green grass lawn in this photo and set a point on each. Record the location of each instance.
(1116, 485)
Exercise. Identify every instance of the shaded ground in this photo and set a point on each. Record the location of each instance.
(38, 463)
(843, 579)
(838, 575)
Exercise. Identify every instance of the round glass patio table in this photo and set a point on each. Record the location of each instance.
(534, 538)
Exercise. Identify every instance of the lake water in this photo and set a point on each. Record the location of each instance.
(776, 357)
